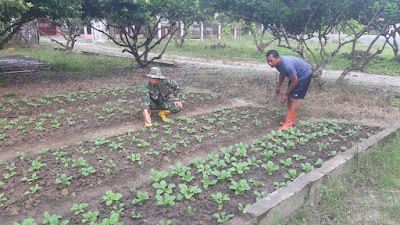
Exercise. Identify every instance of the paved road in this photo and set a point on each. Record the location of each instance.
(384, 82)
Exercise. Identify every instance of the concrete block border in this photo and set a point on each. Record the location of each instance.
(283, 202)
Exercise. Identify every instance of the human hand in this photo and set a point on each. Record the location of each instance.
(178, 104)
(284, 99)
(277, 91)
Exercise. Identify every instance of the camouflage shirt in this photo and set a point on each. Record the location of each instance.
(168, 90)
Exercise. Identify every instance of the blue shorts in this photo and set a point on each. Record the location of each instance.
(299, 92)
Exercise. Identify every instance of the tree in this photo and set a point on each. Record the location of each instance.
(392, 17)
(132, 19)
(15, 13)
(190, 12)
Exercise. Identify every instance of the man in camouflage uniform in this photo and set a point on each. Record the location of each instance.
(160, 93)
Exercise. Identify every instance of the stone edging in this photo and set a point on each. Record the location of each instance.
(283, 202)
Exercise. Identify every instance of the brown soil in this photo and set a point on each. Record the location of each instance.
(253, 90)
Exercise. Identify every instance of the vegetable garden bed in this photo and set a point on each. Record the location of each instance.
(30, 120)
(203, 169)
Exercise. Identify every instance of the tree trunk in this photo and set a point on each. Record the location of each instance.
(30, 34)
(342, 76)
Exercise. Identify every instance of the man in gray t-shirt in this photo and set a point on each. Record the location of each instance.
(299, 74)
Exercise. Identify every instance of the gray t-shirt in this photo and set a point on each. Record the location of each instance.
(291, 65)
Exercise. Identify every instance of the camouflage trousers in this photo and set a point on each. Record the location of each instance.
(169, 105)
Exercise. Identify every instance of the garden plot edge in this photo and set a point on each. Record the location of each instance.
(281, 203)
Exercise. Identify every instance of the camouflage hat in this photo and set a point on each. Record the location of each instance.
(155, 73)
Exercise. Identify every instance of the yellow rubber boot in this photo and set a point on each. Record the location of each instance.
(147, 124)
(290, 120)
(163, 114)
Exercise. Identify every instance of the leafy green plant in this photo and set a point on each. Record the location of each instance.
(157, 176)
(287, 162)
(318, 162)
(298, 157)
(307, 167)
(279, 185)
(141, 196)
(166, 200)
(220, 198)
(78, 209)
(222, 175)
(162, 222)
(33, 178)
(2, 199)
(135, 158)
(240, 186)
(268, 155)
(207, 182)
(260, 195)
(191, 211)
(33, 190)
(110, 197)
(242, 207)
(239, 168)
(36, 165)
(110, 165)
(63, 180)
(292, 174)
(54, 219)
(87, 170)
(90, 217)
(188, 192)
(223, 218)
(163, 187)
(270, 167)
(135, 215)
(241, 150)
(113, 220)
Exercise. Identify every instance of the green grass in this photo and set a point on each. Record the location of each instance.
(61, 61)
(368, 195)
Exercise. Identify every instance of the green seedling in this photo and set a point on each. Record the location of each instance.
(162, 222)
(81, 162)
(270, 167)
(292, 174)
(280, 185)
(286, 163)
(163, 187)
(118, 209)
(223, 132)
(135, 215)
(66, 161)
(256, 183)
(135, 158)
(169, 147)
(110, 165)
(157, 176)
(187, 177)
(240, 186)
(260, 195)
(307, 167)
(110, 197)
(241, 150)
(222, 175)
(223, 218)
(218, 163)
(188, 192)
(268, 155)
(166, 200)
(242, 207)
(114, 146)
(318, 162)
(78, 209)
(280, 150)
(36, 165)
(178, 169)
(299, 157)
(100, 141)
(21, 155)
(199, 138)
(2, 199)
(32, 179)
(197, 162)
(220, 198)
(90, 217)
(33, 190)
(87, 170)
(63, 180)
(141, 196)
(54, 219)
(113, 220)
(184, 142)
(207, 182)
(191, 211)
(239, 168)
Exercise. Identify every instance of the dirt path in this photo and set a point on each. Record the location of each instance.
(373, 81)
